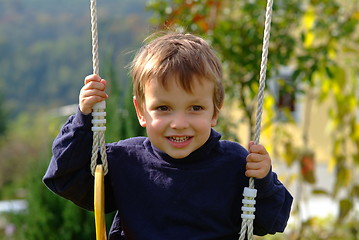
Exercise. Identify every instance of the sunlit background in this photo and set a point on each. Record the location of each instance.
(311, 114)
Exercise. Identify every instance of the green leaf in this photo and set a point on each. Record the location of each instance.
(355, 191)
(345, 206)
(318, 191)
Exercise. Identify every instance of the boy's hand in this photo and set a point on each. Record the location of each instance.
(91, 93)
(258, 161)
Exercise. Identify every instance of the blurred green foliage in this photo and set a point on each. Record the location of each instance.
(43, 42)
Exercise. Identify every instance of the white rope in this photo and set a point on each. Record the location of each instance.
(250, 193)
(98, 114)
(95, 57)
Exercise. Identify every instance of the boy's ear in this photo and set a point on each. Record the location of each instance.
(216, 116)
(141, 118)
(214, 120)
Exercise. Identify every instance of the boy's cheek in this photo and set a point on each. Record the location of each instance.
(155, 124)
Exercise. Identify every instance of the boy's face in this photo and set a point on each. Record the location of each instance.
(177, 122)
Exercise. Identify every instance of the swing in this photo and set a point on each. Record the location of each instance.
(99, 128)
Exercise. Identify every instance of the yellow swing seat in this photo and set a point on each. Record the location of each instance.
(99, 204)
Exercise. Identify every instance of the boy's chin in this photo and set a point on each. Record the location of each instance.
(178, 154)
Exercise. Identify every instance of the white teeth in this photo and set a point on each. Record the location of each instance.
(179, 139)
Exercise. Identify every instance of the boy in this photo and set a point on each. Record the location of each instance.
(181, 182)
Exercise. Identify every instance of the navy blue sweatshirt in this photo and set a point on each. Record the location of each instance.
(160, 198)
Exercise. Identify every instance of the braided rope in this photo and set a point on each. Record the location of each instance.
(98, 113)
(247, 224)
(94, 33)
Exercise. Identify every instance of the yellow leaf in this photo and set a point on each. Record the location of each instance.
(332, 54)
(352, 103)
(309, 18)
(332, 164)
(356, 15)
(308, 21)
(309, 39)
(326, 86)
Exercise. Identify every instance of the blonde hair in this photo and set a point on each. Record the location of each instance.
(180, 57)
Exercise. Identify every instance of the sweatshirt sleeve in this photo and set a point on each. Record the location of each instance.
(273, 205)
(68, 173)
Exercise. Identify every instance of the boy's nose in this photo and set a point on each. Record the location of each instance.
(179, 121)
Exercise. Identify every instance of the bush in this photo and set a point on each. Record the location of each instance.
(50, 217)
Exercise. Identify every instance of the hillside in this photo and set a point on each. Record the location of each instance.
(46, 48)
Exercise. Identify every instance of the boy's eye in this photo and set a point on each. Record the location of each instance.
(197, 108)
(162, 108)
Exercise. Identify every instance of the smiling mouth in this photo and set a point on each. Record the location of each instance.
(178, 139)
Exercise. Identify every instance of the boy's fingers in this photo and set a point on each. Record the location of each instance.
(257, 169)
(256, 174)
(96, 85)
(254, 157)
(258, 161)
(250, 144)
(93, 92)
(253, 166)
(260, 149)
(94, 99)
(92, 77)
(103, 81)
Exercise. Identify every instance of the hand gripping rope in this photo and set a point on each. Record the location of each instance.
(250, 192)
(98, 129)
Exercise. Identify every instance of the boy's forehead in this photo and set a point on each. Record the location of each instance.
(173, 91)
(174, 82)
